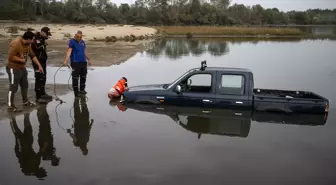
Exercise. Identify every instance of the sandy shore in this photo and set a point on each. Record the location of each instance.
(90, 32)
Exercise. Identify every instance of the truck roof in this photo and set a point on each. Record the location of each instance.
(231, 69)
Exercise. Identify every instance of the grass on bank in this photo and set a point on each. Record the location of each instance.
(229, 31)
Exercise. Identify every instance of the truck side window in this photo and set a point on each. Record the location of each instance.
(232, 84)
(200, 83)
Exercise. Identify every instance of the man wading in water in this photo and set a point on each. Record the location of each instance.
(79, 60)
(39, 47)
(19, 49)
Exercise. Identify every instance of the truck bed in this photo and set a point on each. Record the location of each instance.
(273, 100)
(273, 93)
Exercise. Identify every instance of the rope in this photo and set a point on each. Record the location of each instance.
(69, 85)
(57, 98)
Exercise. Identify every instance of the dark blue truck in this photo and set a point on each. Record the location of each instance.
(228, 88)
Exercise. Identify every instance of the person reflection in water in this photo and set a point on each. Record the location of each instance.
(82, 125)
(29, 160)
(114, 103)
(45, 137)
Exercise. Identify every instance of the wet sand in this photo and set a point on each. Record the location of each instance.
(101, 53)
(61, 89)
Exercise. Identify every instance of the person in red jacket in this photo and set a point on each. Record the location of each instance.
(118, 89)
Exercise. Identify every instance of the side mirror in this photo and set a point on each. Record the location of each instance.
(178, 89)
(189, 82)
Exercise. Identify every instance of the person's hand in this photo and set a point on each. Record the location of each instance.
(89, 62)
(23, 60)
(65, 63)
(40, 69)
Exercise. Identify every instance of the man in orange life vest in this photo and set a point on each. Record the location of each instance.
(118, 89)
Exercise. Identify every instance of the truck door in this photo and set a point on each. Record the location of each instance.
(198, 90)
(233, 90)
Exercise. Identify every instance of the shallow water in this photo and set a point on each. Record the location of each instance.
(128, 147)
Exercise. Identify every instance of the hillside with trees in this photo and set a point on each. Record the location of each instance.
(159, 12)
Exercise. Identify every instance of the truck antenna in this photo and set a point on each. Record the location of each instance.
(203, 65)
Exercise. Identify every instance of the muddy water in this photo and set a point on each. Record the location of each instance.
(93, 142)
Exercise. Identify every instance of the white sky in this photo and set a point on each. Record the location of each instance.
(287, 5)
(283, 5)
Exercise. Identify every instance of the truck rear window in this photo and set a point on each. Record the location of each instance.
(232, 84)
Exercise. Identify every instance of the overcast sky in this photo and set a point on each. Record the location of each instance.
(284, 5)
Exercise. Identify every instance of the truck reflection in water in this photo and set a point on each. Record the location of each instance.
(224, 121)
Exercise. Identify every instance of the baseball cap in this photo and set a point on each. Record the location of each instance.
(46, 30)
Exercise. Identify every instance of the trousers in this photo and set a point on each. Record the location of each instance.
(79, 72)
(40, 80)
(17, 77)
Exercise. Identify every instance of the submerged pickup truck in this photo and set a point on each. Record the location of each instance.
(230, 88)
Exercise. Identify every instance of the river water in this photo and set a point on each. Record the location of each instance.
(95, 142)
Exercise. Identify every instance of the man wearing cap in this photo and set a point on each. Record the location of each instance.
(39, 47)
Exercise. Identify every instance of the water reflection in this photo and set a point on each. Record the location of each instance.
(82, 125)
(29, 159)
(45, 137)
(226, 122)
(177, 48)
(318, 30)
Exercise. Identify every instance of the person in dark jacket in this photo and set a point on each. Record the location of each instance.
(39, 47)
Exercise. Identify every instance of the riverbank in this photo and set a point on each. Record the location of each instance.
(90, 31)
(233, 32)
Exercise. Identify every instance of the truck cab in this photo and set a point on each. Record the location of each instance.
(199, 87)
(216, 87)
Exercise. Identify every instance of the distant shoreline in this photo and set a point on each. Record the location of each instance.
(235, 32)
(257, 36)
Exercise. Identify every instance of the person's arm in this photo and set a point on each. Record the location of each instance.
(37, 45)
(12, 54)
(34, 59)
(67, 55)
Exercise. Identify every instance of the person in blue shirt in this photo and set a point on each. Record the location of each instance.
(79, 60)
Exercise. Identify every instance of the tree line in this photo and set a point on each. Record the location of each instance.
(159, 12)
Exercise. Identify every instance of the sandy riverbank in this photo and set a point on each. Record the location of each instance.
(90, 32)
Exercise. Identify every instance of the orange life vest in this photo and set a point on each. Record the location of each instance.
(120, 86)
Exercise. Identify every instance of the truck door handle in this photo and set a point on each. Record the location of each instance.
(239, 102)
(208, 101)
